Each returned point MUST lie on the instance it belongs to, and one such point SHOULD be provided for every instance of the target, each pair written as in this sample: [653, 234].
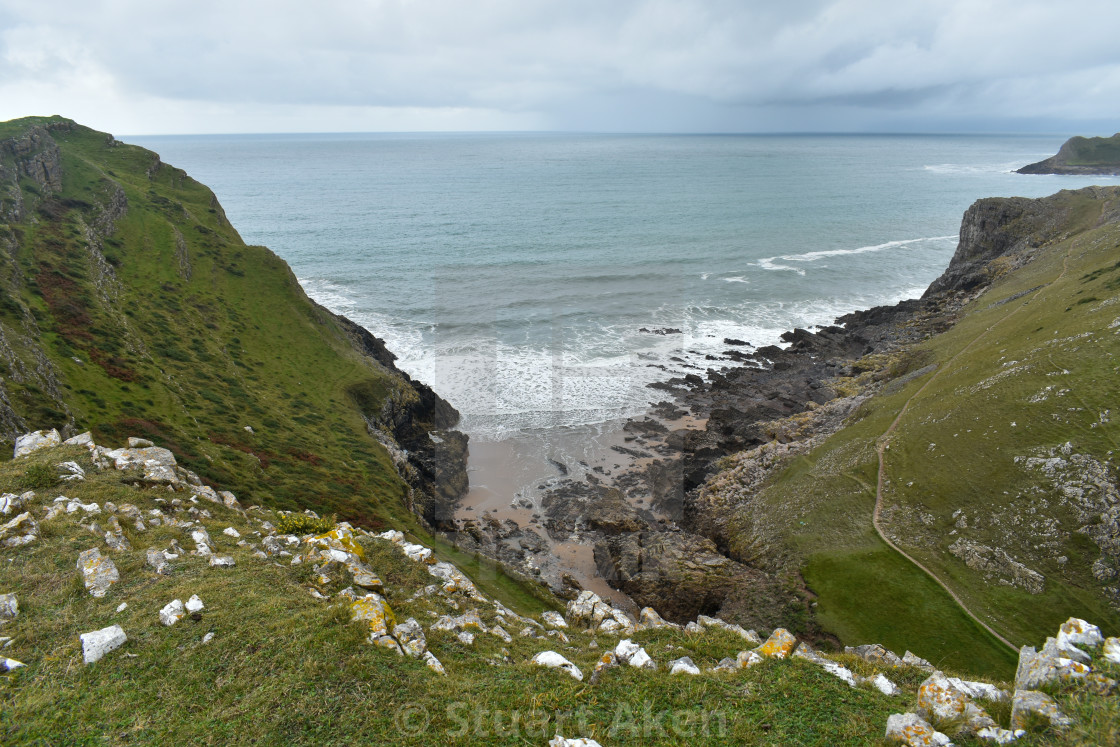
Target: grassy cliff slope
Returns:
[130, 306]
[1081, 155]
[998, 442]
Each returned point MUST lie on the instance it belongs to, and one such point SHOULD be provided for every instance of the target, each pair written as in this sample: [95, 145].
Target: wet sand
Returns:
[508, 479]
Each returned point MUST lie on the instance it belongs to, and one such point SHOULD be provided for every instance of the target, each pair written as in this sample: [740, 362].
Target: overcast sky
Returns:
[195, 66]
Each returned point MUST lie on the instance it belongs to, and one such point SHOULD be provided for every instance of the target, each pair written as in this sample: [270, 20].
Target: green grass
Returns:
[955, 449]
[285, 668]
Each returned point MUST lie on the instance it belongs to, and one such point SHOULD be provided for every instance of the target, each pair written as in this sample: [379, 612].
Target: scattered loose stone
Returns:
[19, 531]
[606, 661]
[554, 660]
[912, 730]
[942, 698]
[746, 659]
[31, 442]
[1037, 668]
[778, 645]
[559, 741]
[704, 621]
[375, 612]
[201, 541]
[1076, 631]
[411, 637]
[224, 561]
[914, 660]
[7, 665]
[208, 637]
[648, 618]
[157, 561]
[467, 639]
[1111, 650]
[98, 573]
[554, 619]
[683, 665]
[71, 471]
[231, 532]
[122, 606]
[875, 653]
[9, 607]
[806, 652]
[433, 663]
[100, 642]
[194, 604]
[172, 612]
[884, 685]
[1030, 706]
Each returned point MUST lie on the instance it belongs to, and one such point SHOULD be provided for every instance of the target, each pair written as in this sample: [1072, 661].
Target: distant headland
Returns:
[1081, 155]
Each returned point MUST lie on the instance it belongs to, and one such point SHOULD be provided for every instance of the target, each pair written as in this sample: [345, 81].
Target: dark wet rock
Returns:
[578, 506]
[681, 575]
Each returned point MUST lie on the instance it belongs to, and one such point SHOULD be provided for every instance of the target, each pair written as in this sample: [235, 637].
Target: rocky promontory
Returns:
[1080, 156]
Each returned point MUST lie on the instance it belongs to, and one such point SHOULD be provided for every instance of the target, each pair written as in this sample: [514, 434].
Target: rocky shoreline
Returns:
[657, 534]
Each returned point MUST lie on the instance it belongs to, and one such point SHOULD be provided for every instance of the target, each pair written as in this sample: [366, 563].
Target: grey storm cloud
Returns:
[705, 64]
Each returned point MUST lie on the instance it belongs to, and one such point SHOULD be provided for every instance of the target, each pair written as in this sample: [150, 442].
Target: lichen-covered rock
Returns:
[1111, 649]
[375, 612]
[1038, 668]
[29, 443]
[778, 646]
[589, 610]
[554, 619]
[683, 665]
[98, 573]
[172, 612]
[82, 439]
[914, 731]
[747, 659]
[606, 661]
[416, 552]
[1028, 707]
[115, 538]
[100, 642]
[21, 530]
[465, 638]
[942, 698]
[554, 660]
[433, 663]
[1076, 631]
[411, 637]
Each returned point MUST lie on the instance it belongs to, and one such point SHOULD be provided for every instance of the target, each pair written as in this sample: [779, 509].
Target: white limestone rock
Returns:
[1037, 668]
[649, 619]
[806, 652]
[434, 663]
[1076, 631]
[411, 637]
[194, 604]
[683, 665]
[231, 532]
[9, 607]
[21, 530]
[29, 443]
[877, 654]
[157, 561]
[642, 660]
[465, 638]
[914, 731]
[778, 646]
[9, 502]
[560, 741]
[100, 642]
[884, 685]
[1030, 706]
[913, 660]
[554, 660]
[943, 698]
[1111, 650]
[392, 536]
[98, 573]
[625, 649]
[7, 665]
[172, 612]
[71, 471]
[554, 619]
[222, 561]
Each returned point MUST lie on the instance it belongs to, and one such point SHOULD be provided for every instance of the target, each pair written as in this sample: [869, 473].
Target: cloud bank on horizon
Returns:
[139, 67]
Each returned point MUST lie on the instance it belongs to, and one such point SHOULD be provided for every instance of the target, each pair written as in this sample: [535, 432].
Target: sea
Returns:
[540, 281]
